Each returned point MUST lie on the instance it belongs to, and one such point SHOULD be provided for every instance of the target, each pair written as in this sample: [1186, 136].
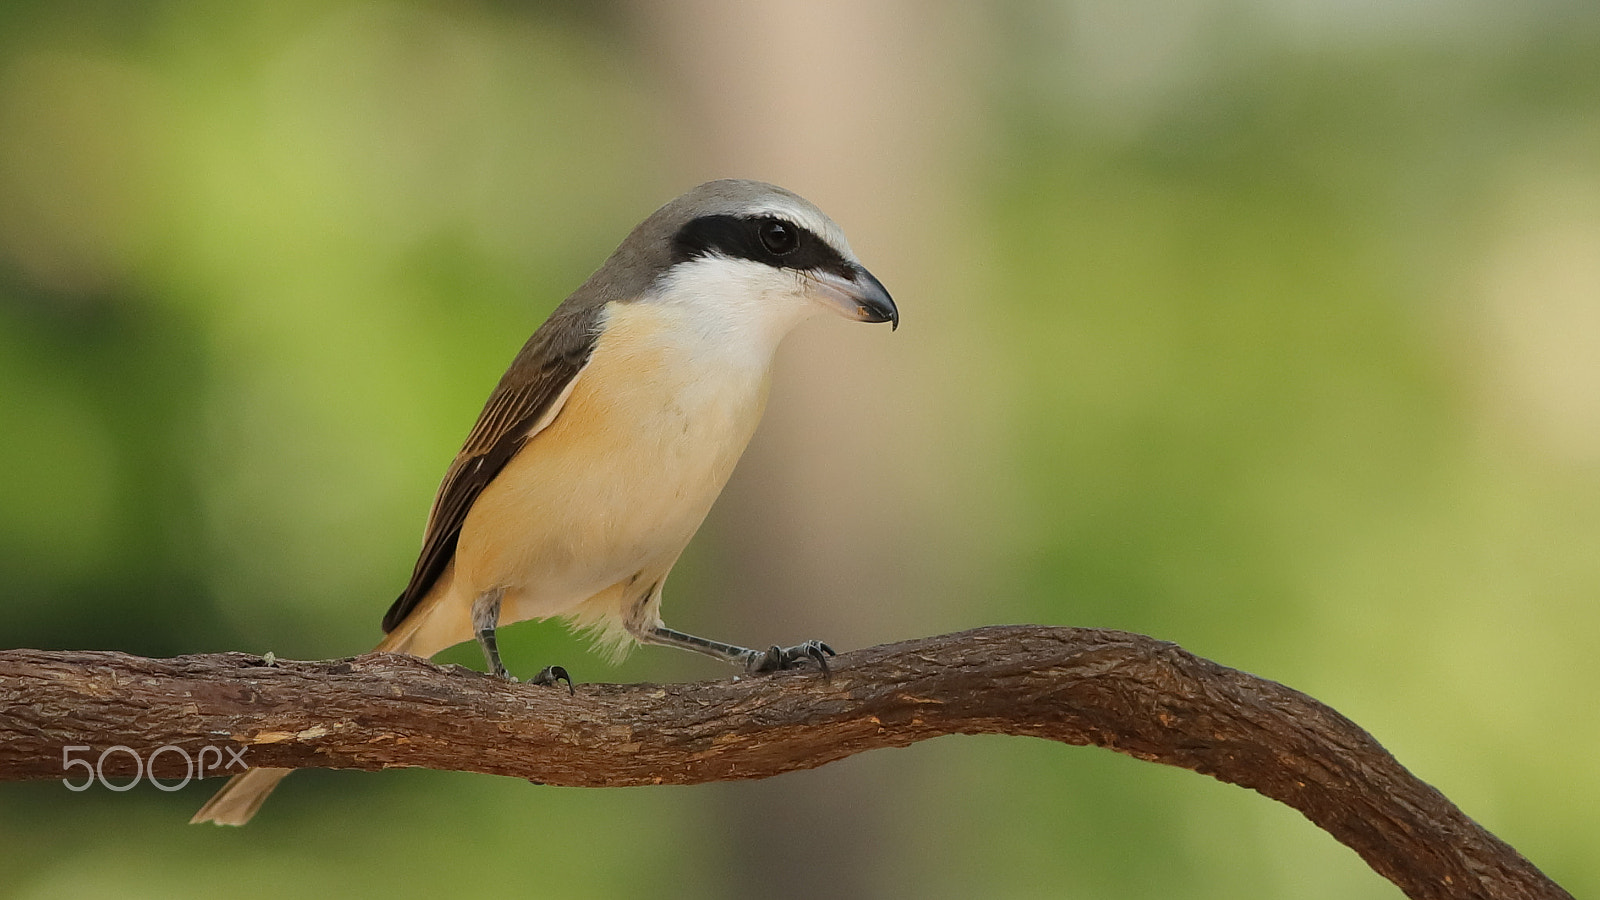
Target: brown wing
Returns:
[526, 399]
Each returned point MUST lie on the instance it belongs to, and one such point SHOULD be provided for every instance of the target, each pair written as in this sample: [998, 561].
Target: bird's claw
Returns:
[775, 658]
[553, 675]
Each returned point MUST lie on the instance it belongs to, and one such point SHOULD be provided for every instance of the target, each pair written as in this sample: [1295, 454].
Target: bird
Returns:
[601, 450]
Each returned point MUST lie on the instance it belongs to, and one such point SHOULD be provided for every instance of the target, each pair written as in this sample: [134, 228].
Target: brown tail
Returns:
[240, 797]
[236, 803]
[244, 793]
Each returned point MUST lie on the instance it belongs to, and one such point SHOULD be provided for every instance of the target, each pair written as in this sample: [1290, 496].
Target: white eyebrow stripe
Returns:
[809, 219]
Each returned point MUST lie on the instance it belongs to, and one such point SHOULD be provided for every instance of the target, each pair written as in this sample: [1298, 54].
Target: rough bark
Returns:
[1126, 692]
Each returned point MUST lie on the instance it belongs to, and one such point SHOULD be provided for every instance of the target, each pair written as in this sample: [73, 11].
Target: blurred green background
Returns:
[1269, 327]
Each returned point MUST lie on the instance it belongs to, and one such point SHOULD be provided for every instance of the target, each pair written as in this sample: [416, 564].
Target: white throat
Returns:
[733, 311]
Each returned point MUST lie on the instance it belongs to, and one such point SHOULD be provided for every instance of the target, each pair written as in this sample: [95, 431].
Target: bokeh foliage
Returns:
[1299, 329]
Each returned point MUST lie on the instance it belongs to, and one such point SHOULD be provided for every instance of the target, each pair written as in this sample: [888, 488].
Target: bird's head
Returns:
[749, 256]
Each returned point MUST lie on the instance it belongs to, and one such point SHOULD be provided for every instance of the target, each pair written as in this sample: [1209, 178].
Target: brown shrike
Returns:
[604, 445]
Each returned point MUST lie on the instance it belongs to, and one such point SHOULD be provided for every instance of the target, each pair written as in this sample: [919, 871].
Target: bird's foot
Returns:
[775, 658]
[553, 675]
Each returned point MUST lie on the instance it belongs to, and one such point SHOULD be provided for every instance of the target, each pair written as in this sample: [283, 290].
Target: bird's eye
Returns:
[780, 238]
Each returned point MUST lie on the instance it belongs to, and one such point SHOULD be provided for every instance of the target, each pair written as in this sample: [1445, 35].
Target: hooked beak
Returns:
[859, 296]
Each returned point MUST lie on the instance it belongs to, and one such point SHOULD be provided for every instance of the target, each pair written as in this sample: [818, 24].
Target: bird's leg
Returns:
[485, 618]
[774, 658]
[769, 660]
[553, 675]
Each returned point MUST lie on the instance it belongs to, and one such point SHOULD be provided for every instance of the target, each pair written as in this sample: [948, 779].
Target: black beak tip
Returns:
[873, 313]
[876, 304]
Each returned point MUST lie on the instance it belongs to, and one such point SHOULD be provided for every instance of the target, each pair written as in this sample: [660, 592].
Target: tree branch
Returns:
[1132, 694]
